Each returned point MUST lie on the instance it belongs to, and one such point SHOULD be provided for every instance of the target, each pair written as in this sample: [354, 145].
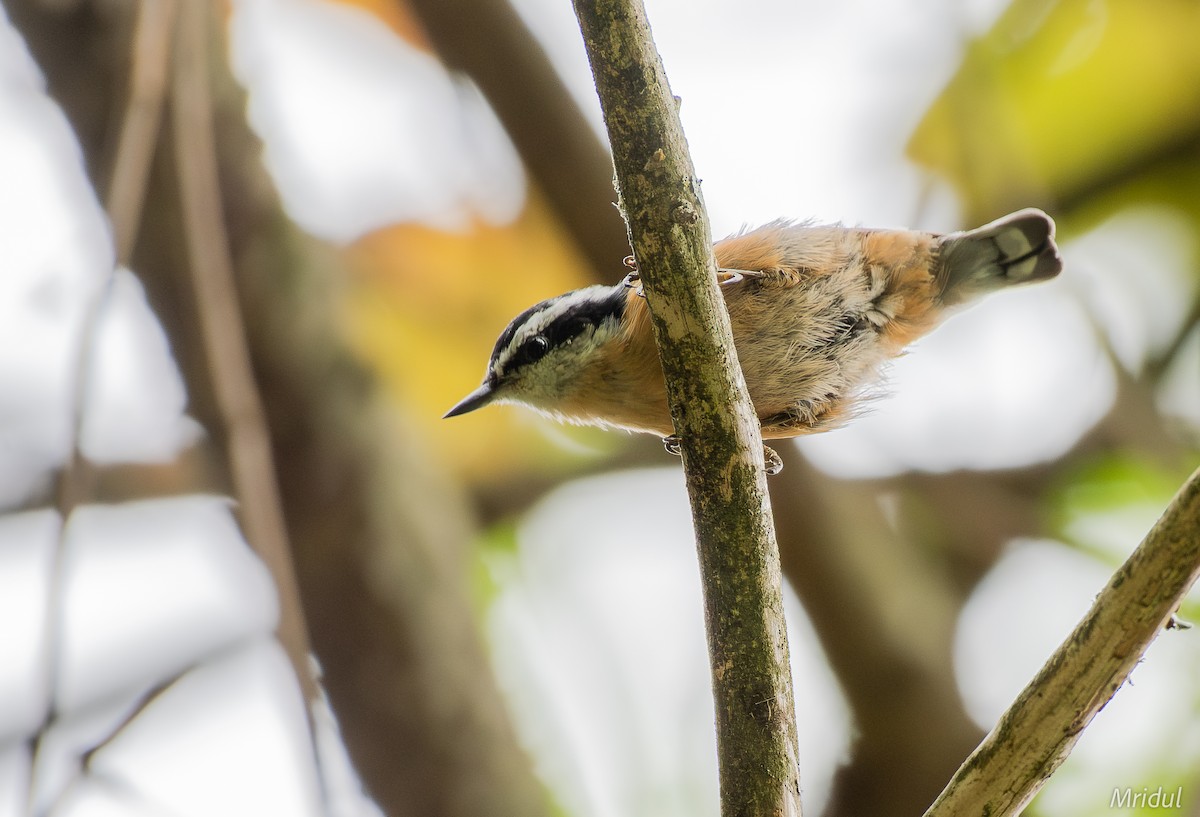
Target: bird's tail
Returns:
[1016, 249]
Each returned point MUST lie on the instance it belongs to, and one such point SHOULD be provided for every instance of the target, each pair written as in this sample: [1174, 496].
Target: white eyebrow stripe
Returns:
[537, 322]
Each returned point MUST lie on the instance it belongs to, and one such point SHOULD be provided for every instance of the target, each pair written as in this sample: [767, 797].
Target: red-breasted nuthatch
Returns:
[816, 311]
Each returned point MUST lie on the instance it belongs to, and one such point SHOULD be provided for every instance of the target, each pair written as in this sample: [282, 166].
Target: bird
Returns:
[816, 311]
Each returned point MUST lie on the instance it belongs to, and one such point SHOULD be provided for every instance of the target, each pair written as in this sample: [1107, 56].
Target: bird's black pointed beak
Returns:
[476, 399]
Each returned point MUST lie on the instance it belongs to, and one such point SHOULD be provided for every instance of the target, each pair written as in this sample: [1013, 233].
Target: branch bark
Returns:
[722, 449]
[1038, 731]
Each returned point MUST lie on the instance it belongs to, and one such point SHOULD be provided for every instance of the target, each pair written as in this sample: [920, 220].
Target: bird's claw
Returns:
[632, 279]
[772, 461]
[727, 277]
[771, 458]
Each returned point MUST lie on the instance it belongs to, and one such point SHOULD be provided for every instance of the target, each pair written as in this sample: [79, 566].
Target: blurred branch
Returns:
[722, 449]
[500, 500]
[885, 614]
[139, 129]
[137, 135]
[379, 532]
[248, 444]
[487, 41]
[146, 700]
[1158, 366]
[1137, 165]
[75, 486]
[1039, 730]
[1134, 421]
[974, 514]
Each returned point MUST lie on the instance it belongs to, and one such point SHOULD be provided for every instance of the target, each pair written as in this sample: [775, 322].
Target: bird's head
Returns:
[539, 357]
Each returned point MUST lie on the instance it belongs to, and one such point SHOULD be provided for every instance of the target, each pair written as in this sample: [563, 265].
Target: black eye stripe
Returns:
[583, 314]
[567, 328]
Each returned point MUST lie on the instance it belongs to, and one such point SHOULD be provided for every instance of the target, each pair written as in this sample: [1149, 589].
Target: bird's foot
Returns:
[634, 276]
[772, 461]
[632, 279]
[771, 458]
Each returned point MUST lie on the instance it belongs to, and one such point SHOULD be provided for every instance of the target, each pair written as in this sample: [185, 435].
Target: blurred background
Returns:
[253, 250]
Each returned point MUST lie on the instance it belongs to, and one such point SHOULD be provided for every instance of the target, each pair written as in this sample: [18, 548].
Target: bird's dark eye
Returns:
[533, 349]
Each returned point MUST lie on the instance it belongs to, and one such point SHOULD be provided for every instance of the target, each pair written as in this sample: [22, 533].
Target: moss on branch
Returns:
[722, 450]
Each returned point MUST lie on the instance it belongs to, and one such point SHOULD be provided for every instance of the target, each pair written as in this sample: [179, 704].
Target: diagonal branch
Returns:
[1038, 731]
[722, 449]
[150, 65]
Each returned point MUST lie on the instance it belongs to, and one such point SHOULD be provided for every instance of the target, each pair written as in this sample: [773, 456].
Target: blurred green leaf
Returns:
[1106, 506]
[493, 561]
[1059, 97]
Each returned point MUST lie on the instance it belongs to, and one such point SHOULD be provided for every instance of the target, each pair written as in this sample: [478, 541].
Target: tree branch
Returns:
[1038, 731]
[722, 450]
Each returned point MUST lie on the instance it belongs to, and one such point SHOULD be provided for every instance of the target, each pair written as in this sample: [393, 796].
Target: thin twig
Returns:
[153, 694]
[1038, 731]
[140, 124]
[1160, 362]
[223, 334]
[74, 486]
[128, 793]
